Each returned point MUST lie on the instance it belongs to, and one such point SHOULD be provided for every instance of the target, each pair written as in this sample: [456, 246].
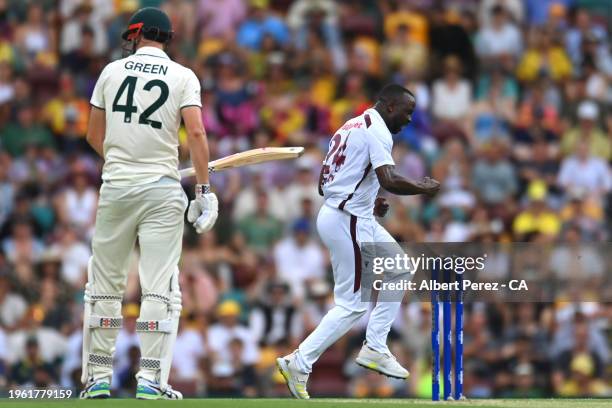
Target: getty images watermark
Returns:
[404, 264]
[492, 272]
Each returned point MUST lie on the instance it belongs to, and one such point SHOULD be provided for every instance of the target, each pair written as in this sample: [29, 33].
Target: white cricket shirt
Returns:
[143, 95]
[360, 146]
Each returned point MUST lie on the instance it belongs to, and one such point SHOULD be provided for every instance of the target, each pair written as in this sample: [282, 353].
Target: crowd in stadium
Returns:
[514, 118]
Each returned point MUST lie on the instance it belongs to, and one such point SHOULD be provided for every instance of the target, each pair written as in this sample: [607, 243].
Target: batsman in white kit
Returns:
[357, 164]
[137, 106]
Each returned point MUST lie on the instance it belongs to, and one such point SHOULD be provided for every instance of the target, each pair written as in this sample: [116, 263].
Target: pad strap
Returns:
[104, 322]
[164, 326]
[156, 297]
[150, 363]
[100, 360]
[103, 298]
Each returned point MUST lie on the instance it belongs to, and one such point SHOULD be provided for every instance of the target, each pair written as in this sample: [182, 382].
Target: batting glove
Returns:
[203, 211]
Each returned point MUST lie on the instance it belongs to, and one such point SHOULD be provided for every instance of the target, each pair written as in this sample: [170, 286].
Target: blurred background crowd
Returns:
[514, 117]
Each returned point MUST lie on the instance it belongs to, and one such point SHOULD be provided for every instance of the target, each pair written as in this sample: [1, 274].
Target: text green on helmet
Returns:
[152, 23]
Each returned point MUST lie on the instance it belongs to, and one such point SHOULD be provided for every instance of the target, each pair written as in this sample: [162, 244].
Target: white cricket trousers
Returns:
[153, 214]
[342, 233]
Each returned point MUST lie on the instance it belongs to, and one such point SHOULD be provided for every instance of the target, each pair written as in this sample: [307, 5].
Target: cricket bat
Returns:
[253, 156]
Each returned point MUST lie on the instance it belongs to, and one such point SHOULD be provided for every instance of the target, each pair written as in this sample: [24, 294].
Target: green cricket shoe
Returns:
[148, 390]
[96, 390]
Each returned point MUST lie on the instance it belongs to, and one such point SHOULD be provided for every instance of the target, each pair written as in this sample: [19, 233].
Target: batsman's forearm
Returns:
[198, 149]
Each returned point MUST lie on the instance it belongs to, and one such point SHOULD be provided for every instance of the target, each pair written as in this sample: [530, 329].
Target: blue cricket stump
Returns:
[448, 346]
[447, 323]
[459, 340]
[435, 341]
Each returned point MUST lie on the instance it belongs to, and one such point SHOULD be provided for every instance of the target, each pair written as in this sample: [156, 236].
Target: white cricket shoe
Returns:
[382, 363]
[296, 380]
[149, 390]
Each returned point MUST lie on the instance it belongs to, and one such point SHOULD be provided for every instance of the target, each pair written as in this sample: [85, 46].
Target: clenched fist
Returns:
[429, 186]
[381, 207]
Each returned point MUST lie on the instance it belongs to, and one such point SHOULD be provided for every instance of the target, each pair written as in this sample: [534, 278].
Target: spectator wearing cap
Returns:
[298, 259]
[275, 319]
[588, 132]
[537, 217]
[233, 351]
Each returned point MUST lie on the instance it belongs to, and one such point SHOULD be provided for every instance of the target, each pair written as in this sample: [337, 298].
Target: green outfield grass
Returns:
[314, 403]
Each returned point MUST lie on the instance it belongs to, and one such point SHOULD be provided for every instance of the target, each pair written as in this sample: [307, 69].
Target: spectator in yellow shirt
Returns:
[587, 131]
[544, 58]
[537, 217]
[67, 114]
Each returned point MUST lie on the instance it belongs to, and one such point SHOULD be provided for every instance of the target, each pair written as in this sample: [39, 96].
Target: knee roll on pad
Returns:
[150, 306]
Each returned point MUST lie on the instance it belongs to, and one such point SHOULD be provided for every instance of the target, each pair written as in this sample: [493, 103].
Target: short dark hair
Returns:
[392, 92]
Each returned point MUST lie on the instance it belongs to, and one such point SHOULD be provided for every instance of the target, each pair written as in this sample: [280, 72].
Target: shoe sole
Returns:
[100, 394]
[368, 366]
[284, 370]
[104, 396]
[148, 397]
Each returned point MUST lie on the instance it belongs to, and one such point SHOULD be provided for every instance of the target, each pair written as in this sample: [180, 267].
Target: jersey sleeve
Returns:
[192, 94]
[380, 154]
[97, 98]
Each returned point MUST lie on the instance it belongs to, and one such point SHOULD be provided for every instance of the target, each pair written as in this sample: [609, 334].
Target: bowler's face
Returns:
[402, 113]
